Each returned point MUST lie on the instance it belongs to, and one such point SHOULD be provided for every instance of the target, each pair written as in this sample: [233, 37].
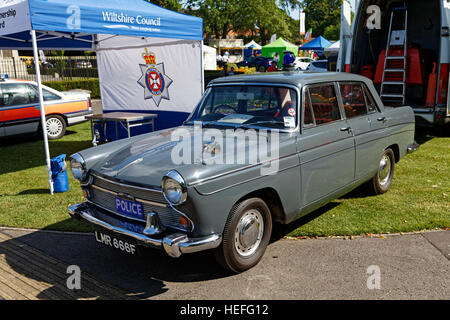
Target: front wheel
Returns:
[55, 127]
[246, 235]
[383, 178]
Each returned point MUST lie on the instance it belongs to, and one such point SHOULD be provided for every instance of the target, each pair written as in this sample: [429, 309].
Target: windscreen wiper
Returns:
[248, 125]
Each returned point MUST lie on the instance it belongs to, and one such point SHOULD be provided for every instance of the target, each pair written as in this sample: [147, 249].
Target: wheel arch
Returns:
[396, 150]
[271, 197]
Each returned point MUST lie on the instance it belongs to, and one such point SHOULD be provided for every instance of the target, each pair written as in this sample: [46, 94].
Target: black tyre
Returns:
[262, 69]
[246, 235]
[55, 127]
[383, 178]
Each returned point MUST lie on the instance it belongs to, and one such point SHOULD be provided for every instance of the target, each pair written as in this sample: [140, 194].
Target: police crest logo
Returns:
[153, 79]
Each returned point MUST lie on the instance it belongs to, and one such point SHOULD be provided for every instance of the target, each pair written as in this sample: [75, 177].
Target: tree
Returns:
[220, 16]
[322, 13]
[174, 5]
[261, 18]
[332, 32]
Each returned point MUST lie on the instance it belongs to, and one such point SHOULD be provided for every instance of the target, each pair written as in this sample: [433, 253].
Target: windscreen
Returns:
[265, 106]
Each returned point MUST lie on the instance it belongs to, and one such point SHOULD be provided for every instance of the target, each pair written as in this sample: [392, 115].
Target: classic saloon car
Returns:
[20, 112]
[332, 134]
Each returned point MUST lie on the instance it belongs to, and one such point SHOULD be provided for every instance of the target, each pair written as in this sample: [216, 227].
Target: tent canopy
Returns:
[64, 24]
[334, 47]
[319, 43]
[252, 44]
[85, 24]
[278, 46]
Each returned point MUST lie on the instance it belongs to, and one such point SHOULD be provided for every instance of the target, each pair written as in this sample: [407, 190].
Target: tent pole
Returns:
[202, 68]
[41, 103]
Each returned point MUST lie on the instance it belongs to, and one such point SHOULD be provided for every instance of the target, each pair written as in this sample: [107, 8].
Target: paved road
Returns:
[413, 266]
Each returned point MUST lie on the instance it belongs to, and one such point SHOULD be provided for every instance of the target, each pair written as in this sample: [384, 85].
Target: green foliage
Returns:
[332, 32]
[174, 5]
[88, 84]
[67, 72]
[257, 19]
[321, 14]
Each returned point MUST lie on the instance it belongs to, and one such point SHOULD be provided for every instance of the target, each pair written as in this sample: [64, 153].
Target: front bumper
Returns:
[173, 244]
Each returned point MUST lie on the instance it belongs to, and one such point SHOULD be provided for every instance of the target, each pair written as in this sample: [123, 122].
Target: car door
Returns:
[20, 108]
[354, 104]
[325, 145]
[2, 128]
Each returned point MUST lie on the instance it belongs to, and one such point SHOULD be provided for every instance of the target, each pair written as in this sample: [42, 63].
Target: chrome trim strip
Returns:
[239, 183]
[158, 204]
[174, 244]
[126, 185]
[239, 169]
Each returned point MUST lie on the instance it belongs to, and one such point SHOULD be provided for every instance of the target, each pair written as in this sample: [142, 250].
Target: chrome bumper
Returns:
[412, 147]
[173, 244]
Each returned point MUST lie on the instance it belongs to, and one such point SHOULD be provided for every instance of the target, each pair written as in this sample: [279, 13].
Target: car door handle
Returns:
[348, 129]
[382, 119]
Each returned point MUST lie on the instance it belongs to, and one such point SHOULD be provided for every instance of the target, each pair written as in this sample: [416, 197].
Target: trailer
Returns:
[404, 48]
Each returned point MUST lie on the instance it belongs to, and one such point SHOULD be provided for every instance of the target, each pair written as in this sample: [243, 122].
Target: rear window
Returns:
[353, 99]
[324, 104]
[322, 64]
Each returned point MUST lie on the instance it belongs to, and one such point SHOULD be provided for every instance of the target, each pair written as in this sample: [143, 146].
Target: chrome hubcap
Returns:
[249, 233]
[54, 127]
[384, 170]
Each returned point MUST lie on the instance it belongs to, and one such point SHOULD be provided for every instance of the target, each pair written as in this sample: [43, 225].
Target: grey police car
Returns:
[257, 149]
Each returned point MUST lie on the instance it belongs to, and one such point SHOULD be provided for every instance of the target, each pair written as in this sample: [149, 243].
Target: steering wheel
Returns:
[223, 106]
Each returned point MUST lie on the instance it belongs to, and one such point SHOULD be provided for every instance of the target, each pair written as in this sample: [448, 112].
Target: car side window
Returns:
[48, 96]
[353, 99]
[15, 94]
[370, 101]
[308, 119]
[324, 104]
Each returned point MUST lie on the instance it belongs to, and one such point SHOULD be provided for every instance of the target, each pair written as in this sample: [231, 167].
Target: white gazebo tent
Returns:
[130, 37]
[252, 44]
[335, 47]
[209, 58]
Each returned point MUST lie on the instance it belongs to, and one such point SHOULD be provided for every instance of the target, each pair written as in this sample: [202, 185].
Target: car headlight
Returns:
[174, 188]
[78, 167]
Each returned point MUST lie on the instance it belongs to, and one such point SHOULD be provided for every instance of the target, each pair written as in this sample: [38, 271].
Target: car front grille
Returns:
[103, 192]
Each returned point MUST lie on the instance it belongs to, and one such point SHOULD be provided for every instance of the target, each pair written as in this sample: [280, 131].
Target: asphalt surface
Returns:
[412, 266]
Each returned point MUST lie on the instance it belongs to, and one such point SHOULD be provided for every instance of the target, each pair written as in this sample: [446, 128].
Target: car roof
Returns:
[16, 81]
[297, 78]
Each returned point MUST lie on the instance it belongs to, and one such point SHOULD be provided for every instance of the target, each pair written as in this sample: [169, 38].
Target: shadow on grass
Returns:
[33, 191]
[25, 153]
[281, 230]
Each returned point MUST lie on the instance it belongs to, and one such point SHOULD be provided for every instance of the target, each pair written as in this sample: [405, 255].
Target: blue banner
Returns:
[130, 18]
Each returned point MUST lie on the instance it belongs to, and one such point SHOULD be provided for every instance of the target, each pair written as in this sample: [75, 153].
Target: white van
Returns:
[428, 39]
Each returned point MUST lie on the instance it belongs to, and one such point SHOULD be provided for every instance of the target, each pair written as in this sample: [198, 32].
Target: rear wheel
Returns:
[246, 235]
[262, 69]
[55, 127]
[383, 178]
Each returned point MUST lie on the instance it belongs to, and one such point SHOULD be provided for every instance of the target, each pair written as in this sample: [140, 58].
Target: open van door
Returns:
[448, 97]
[345, 37]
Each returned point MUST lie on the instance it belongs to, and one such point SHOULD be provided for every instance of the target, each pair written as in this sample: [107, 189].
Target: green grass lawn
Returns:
[419, 197]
